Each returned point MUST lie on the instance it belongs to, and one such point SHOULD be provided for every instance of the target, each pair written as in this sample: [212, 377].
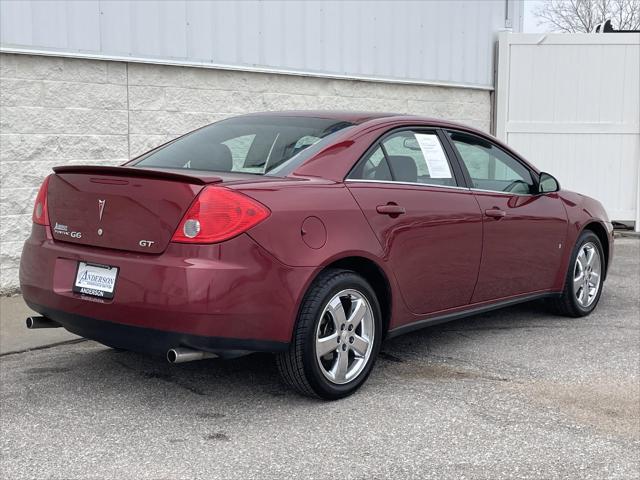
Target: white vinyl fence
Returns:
[570, 103]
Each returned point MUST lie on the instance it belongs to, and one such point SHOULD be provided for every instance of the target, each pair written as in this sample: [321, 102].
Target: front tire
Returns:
[337, 337]
[585, 277]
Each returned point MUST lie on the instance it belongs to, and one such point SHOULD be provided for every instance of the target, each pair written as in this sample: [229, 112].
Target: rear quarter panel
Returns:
[315, 222]
[311, 223]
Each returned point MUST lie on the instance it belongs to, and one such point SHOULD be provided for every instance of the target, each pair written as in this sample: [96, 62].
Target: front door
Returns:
[523, 231]
[430, 229]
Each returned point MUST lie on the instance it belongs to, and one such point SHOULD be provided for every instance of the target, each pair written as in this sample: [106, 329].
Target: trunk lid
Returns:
[131, 208]
[123, 208]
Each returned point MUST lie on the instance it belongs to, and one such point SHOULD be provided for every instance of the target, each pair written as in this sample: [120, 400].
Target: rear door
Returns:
[523, 231]
[428, 225]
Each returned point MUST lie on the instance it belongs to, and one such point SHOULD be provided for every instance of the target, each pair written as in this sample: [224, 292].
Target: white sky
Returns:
[529, 21]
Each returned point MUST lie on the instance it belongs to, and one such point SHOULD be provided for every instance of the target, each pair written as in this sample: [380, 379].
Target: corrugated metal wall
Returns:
[448, 41]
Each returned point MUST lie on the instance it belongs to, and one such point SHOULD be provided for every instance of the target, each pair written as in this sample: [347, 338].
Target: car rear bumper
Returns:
[230, 296]
[150, 340]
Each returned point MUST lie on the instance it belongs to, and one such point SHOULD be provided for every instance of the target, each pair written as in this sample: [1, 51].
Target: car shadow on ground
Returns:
[257, 374]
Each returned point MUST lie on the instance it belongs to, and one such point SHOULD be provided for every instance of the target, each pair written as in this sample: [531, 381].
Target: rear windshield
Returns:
[263, 145]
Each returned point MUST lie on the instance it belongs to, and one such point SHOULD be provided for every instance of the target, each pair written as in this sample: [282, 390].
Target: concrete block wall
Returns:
[56, 110]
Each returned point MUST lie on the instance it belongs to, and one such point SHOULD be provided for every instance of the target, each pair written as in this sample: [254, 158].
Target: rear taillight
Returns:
[218, 214]
[40, 211]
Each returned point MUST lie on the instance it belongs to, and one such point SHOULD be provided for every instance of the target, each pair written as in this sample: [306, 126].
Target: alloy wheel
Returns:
[345, 336]
[587, 275]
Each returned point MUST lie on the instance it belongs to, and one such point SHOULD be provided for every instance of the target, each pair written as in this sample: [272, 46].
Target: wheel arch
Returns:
[371, 271]
[376, 277]
[601, 232]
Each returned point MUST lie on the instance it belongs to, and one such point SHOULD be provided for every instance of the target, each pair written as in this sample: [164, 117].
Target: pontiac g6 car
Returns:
[312, 235]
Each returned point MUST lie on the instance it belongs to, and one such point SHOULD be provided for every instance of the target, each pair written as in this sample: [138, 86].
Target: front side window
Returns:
[264, 145]
[490, 168]
[407, 156]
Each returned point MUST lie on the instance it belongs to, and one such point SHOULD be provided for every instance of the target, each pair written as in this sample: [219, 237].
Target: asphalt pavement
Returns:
[517, 393]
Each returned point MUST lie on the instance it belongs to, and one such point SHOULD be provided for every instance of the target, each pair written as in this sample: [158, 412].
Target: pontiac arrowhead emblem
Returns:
[101, 204]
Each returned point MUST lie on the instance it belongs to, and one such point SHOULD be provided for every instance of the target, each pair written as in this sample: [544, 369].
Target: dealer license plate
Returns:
[96, 280]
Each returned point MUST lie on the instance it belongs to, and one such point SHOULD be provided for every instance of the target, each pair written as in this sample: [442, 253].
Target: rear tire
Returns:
[336, 339]
[585, 277]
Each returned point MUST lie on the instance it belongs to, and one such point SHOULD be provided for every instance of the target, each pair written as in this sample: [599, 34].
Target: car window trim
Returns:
[458, 177]
[415, 184]
[497, 192]
[467, 176]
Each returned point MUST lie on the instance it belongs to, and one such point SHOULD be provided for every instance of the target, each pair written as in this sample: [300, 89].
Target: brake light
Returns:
[40, 211]
[218, 214]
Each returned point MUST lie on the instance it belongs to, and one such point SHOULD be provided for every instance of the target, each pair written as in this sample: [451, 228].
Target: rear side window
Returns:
[265, 145]
[375, 167]
[407, 156]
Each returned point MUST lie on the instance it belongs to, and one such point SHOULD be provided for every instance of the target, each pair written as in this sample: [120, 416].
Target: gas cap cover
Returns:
[313, 232]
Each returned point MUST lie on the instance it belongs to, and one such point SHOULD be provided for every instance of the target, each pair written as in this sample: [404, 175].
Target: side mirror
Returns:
[548, 183]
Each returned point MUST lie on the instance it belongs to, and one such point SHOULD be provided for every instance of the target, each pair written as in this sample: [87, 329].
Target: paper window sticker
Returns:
[434, 155]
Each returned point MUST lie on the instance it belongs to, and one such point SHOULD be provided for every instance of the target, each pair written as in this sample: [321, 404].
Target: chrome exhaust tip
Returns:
[41, 322]
[182, 355]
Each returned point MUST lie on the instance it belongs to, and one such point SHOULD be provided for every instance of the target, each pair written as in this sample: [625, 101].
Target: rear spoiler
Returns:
[161, 174]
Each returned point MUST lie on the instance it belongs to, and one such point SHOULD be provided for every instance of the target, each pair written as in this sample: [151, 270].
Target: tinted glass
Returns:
[418, 157]
[407, 156]
[261, 145]
[490, 168]
[374, 167]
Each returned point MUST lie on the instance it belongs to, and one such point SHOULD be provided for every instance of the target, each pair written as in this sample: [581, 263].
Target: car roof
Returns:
[355, 117]
[359, 117]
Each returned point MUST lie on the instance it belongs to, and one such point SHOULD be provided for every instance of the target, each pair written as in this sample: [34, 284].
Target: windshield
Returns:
[248, 144]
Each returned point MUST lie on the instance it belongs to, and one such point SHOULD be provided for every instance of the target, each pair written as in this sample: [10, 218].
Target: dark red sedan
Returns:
[313, 235]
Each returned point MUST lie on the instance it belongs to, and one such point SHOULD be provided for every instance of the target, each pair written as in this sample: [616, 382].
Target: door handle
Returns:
[495, 213]
[390, 209]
